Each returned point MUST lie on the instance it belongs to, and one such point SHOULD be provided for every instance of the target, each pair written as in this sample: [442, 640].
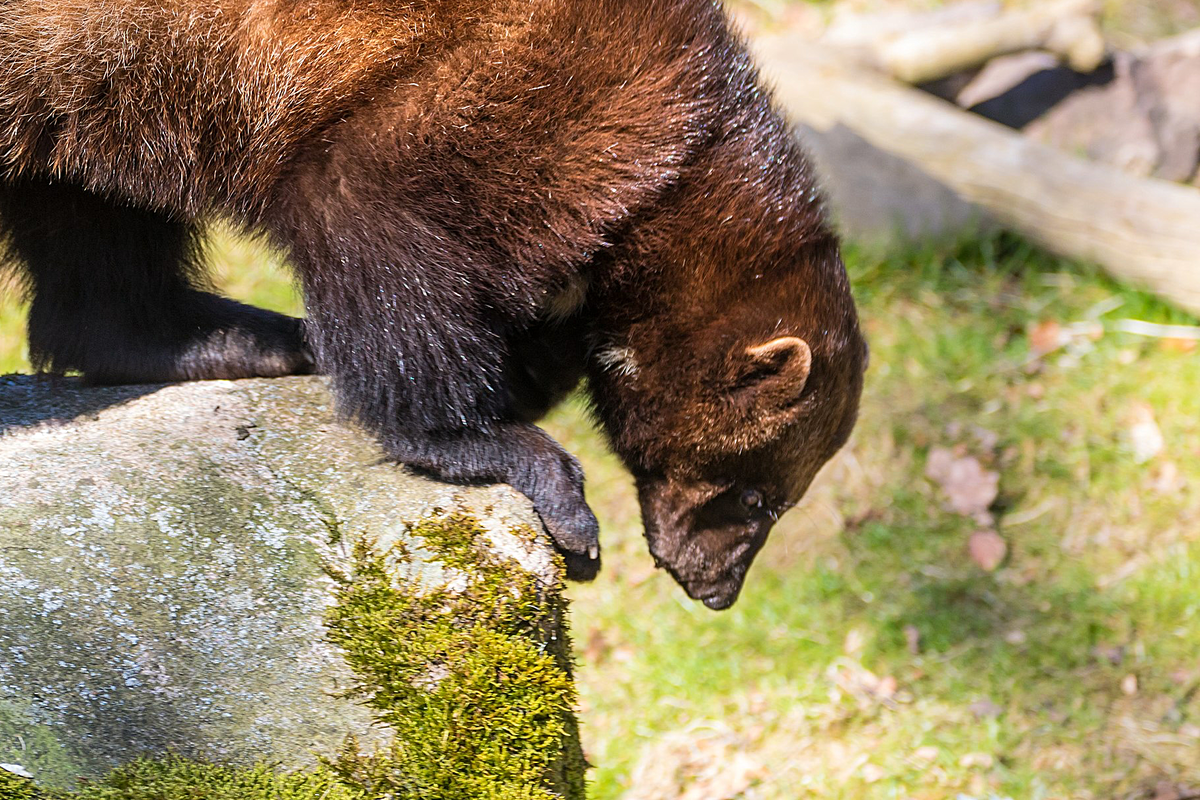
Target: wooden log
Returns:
[851, 28]
[1141, 230]
[926, 52]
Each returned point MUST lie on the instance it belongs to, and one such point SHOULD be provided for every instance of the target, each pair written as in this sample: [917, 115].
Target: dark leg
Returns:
[542, 365]
[545, 363]
[420, 356]
[433, 383]
[113, 295]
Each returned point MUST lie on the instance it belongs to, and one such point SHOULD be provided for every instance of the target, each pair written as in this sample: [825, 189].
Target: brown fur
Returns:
[483, 199]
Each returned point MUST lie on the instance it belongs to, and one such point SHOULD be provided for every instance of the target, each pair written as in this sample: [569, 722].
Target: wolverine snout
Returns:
[708, 560]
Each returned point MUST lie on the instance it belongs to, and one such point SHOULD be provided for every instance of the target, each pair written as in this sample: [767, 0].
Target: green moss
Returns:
[176, 778]
[13, 787]
[477, 692]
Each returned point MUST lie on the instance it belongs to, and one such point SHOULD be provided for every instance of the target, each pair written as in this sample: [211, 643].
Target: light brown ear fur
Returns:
[783, 364]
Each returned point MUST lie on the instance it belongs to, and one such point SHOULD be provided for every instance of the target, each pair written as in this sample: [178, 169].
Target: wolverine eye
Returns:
[751, 499]
[735, 507]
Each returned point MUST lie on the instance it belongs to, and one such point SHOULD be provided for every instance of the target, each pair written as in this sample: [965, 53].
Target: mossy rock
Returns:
[222, 574]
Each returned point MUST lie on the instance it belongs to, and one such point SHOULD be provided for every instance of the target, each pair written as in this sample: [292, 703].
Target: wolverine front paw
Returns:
[558, 499]
[527, 459]
[577, 537]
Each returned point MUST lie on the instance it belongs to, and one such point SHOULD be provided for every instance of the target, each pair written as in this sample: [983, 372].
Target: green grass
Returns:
[13, 357]
[1070, 672]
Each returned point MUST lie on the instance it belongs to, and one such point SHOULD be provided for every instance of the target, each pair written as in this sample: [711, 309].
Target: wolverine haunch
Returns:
[484, 200]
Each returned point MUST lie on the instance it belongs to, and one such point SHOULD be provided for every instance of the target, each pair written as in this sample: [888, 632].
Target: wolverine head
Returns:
[731, 453]
[735, 371]
[775, 416]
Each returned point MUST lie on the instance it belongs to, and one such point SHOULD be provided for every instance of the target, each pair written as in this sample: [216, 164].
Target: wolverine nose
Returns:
[720, 602]
[717, 596]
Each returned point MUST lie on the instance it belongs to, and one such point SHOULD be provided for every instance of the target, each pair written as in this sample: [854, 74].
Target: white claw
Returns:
[593, 552]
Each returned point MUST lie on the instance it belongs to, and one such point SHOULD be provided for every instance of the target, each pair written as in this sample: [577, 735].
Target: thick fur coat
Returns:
[484, 200]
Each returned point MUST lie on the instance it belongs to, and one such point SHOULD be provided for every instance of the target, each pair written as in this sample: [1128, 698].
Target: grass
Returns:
[869, 656]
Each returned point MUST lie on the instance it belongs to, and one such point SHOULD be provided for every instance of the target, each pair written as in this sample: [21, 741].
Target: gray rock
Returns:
[1140, 112]
[879, 200]
[163, 569]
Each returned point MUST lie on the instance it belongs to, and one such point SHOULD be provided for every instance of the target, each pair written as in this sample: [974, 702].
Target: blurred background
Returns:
[994, 590]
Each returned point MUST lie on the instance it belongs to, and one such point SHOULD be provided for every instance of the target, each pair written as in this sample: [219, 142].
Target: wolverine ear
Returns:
[775, 372]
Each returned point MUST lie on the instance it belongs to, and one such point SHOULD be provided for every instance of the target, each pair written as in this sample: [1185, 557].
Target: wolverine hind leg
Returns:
[113, 295]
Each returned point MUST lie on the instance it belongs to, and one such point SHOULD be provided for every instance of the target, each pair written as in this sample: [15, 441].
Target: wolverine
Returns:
[485, 202]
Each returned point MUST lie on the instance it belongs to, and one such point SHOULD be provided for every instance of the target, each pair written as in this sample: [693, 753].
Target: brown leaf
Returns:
[987, 549]
[708, 761]
[985, 709]
[926, 753]
[854, 642]
[1112, 653]
[597, 647]
[912, 637]
[1165, 790]
[871, 773]
[969, 488]
[1168, 481]
[1179, 345]
[886, 688]
[1047, 336]
[977, 761]
[986, 439]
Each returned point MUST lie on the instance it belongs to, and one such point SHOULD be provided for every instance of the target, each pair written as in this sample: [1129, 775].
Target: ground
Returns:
[871, 655]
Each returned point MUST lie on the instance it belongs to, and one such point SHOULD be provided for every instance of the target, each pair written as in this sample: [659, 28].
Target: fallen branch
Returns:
[850, 29]
[1157, 331]
[1141, 230]
[930, 51]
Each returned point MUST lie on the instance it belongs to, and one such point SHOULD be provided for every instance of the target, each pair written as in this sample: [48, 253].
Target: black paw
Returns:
[261, 343]
[576, 534]
[231, 340]
[581, 568]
